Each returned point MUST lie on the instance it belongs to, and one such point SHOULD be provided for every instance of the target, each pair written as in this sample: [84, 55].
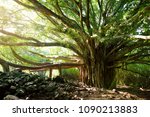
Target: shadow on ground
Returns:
[139, 92]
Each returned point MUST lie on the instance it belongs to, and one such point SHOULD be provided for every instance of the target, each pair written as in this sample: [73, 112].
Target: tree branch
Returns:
[73, 59]
[140, 37]
[128, 48]
[133, 71]
[100, 2]
[64, 65]
[18, 36]
[59, 9]
[25, 5]
[65, 45]
[88, 16]
[25, 60]
[48, 13]
[81, 14]
[139, 62]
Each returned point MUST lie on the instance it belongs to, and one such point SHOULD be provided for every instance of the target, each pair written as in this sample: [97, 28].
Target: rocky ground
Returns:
[20, 85]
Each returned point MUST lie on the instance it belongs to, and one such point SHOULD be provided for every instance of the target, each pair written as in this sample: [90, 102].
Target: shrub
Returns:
[136, 76]
[71, 74]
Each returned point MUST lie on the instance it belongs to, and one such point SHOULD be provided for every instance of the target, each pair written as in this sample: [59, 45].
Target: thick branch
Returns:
[139, 61]
[73, 59]
[48, 13]
[54, 66]
[25, 5]
[25, 60]
[120, 55]
[65, 45]
[133, 71]
[18, 36]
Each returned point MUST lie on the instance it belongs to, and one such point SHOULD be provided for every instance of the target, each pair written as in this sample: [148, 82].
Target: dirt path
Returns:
[124, 93]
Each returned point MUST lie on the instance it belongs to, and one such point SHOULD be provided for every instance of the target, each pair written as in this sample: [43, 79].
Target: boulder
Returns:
[11, 97]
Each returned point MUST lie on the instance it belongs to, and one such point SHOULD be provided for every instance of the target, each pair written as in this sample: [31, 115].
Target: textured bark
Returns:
[98, 72]
[5, 67]
[100, 76]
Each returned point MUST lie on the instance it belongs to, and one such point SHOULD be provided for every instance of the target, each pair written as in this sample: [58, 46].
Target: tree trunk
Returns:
[99, 75]
[5, 67]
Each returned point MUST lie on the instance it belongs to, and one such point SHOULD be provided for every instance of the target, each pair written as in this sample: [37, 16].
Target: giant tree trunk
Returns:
[100, 74]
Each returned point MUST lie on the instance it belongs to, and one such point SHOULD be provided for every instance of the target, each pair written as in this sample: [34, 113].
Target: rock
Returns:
[2, 74]
[15, 85]
[51, 87]
[3, 89]
[12, 89]
[59, 79]
[29, 83]
[11, 97]
[20, 92]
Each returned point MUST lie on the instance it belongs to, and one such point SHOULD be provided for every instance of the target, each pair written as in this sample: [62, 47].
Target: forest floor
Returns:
[92, 93]
[123, 93]
[20, 85]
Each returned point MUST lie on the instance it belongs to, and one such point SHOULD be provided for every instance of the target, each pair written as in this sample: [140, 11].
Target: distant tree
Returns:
[105, 34]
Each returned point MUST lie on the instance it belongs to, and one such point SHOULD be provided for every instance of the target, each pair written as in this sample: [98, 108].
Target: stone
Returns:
[13, 88]
[59, 79]
[11, 97]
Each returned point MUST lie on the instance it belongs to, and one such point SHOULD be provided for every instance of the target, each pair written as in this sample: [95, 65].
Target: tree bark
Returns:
[99, 73]
[5, 67]
[100, 76]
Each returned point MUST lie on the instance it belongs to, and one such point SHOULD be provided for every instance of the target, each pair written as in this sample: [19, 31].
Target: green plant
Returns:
[136, 76]
[71, 74]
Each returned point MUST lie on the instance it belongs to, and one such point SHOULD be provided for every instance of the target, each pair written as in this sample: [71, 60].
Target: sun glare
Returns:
[7, 3]
[10, 6]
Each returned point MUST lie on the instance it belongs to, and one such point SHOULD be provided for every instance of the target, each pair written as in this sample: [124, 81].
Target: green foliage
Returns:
[143, 70]
[71, 74]
[137, 75]
[137, 81]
